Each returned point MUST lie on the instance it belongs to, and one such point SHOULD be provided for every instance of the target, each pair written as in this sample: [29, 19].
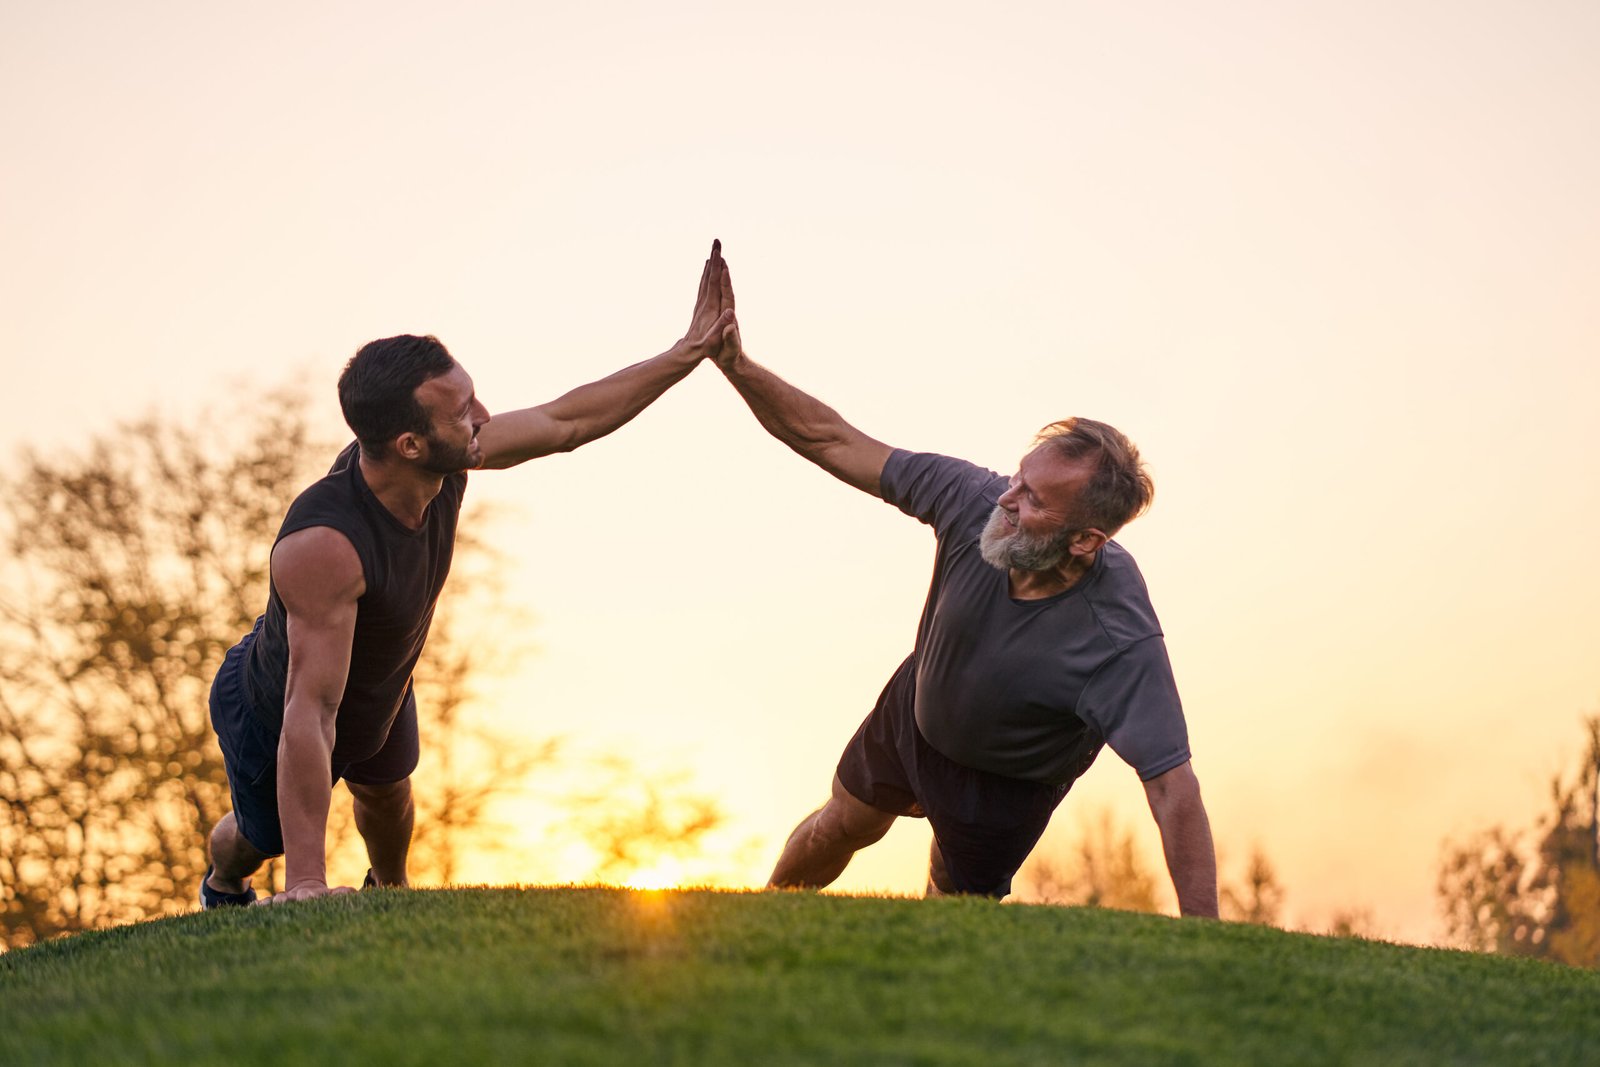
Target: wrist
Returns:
[686, 352]
[292, 883]
[308, 870]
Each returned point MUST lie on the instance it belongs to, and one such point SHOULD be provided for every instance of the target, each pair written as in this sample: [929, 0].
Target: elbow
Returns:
[308, 725]
[1179, 787]
[569, 436]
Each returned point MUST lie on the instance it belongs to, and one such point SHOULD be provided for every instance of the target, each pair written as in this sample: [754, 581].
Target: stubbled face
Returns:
[1029, 528]
[456, 416]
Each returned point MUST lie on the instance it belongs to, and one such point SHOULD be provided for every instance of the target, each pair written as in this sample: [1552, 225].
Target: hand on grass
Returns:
[305, 891]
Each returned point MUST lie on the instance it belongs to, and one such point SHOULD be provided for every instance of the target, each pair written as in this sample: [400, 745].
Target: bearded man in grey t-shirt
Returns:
[1037, 646]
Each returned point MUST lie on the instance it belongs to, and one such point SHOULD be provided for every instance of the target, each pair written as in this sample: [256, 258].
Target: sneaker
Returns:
[216, 898]
[369, 882]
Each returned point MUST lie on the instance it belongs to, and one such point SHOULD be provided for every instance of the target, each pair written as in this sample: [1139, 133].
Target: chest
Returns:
[978, 638]
[406, 577]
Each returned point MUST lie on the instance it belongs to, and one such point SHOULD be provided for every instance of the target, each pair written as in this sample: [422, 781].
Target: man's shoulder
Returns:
[318, 562]
[928, 484]
[1120, 599]
[907, 464]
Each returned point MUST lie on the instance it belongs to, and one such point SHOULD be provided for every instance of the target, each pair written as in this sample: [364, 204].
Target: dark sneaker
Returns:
[369, 882]
[216, 898]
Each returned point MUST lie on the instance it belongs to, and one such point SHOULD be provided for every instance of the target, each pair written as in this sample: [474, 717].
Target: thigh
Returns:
[985, 825]
[873, 770]
[249, 756]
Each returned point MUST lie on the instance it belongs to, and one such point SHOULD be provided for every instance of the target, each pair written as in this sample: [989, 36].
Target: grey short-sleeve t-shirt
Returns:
[1031, 688]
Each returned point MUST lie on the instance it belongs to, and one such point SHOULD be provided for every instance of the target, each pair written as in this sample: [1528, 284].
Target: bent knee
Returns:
[389, 794]
[856, 825]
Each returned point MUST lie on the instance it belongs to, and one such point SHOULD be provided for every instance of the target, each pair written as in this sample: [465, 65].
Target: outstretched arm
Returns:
[1185, 839]
[594, 410]
[800, 420]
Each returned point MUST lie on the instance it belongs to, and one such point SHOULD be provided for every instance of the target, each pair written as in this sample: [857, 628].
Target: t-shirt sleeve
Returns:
[1133, 701]
[937, 489]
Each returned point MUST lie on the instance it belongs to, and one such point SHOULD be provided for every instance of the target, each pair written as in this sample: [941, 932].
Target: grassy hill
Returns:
[596, 976]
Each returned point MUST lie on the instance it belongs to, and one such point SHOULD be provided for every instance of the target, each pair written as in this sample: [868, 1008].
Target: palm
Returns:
[713, 318]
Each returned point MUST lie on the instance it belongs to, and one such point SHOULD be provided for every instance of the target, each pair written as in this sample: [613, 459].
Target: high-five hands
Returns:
[732, 347]
[712, 316]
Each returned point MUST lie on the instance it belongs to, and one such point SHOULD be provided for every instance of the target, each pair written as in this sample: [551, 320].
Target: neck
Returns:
[1036, 585]
[404, 491]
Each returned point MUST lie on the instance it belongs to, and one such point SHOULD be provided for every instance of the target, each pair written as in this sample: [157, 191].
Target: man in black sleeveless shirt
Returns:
[1037, 647]
[321, 689]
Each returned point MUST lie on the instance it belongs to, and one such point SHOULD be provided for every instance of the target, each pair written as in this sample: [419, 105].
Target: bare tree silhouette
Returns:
[1259, 898]
[1499, 893]
[129, 570]
[1102, 869]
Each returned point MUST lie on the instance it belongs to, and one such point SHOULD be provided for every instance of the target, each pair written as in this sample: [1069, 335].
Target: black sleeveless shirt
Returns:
[404, 569]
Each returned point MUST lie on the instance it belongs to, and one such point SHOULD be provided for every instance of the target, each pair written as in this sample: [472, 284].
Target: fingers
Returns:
[306, 892]
[726, 281]
[731, 347]
[714, 299]
[710, 288]
[705, 285]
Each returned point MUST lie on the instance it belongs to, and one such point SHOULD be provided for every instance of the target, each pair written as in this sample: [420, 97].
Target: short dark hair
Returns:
[1119, 489]
[378, 388]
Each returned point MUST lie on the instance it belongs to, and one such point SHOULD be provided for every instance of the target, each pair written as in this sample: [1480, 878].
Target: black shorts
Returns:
[250, 753]
[985, 824]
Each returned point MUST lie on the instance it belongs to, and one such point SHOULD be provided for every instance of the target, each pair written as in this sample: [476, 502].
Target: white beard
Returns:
[1006, 547]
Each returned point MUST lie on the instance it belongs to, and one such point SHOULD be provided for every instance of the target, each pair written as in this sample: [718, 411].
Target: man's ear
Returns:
[1088, 542]
[409, 445]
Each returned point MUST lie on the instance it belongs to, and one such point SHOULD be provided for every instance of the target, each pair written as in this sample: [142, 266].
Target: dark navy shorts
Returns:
[250, 752]
[985, 824]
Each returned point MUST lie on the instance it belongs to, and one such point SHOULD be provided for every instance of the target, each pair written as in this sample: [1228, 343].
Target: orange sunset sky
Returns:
[1333, 266]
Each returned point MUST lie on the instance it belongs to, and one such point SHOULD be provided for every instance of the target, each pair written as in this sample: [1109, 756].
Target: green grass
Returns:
[594, 976]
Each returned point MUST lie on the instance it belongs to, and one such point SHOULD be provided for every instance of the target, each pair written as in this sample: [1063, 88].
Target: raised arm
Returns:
[799, 420]
[1185, 839]
[594, 410]
[318, 575]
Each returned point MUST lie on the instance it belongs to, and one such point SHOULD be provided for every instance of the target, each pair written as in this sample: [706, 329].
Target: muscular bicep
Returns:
[318, 576]
[513, 437]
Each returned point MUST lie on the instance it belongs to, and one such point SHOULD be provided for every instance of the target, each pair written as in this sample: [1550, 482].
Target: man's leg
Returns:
[384, 816]
[939, 884]
[821, 846]
[233, 859]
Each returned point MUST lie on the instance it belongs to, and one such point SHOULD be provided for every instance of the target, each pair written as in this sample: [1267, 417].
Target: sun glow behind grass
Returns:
[603, 976]
[668, 874]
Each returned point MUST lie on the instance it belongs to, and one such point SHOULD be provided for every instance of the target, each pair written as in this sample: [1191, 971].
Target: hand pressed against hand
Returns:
[304, 892]
[731, 347]
[710, 317]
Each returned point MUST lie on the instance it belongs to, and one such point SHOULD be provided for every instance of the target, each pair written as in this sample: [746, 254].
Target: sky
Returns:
[1331, 265]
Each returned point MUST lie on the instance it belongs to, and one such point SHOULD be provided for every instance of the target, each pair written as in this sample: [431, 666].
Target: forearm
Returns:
[1180, 815]
[586, 413]
[808, 426]
[1192, 861]
[305, 791]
